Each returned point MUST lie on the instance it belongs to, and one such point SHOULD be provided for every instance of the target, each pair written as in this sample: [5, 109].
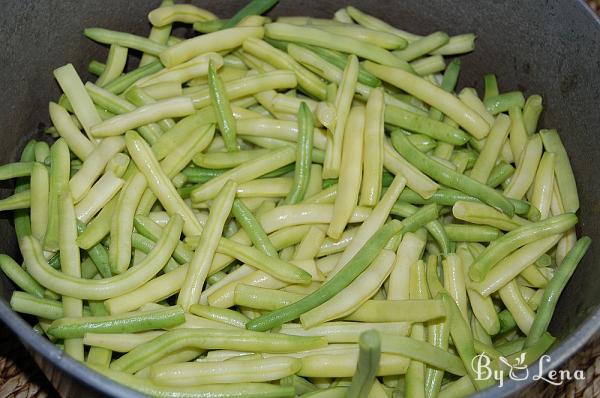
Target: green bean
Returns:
[454, 282]
[340, 60]
[350, 172]
[543, 185]
[422, 46]
[448, 197]
[562, 170]
[281, 270]
[517, 238]
[346, 332]
[371, 22]
[121, 83]
[123, 323]
[78, 143]
[375, 221]
[151, 230]
[84, 109]
[307, 80]
[98, 254]
[20, 200]
[70, 265]
[59, 180]
[235, 339]
[531, 112]
[518, 135]
[515, 303]
[210, 42]
[491, 86]
[20, 277]
[503, 102]
[463, 340]
[103, 288]
[139, 96]
[245, 172]
[471, 233]
[99, 194]
[356, 293]
[425, 125]
[418, 290]
[97, 355]
[253, 228]
[343, 364]
[470, 97]
[478, 213]
[201, 175]
[460, 388]
[287, 104]
[205, 251]
[343, 103]
[93, 167]
[146, 386]
[26, 303]
[97, 228]
[249, 85]
[144, 245]
[408, 252]
[554, 289]
[493, 145]
[176, 161]
[22, 219]
[155, 290]
[115, 64]
[438, 333]
[374, 135]
[507, 322]
[449, 177]
[258, 370]
[222, 109]
[424, 352]
[17, 169]
[342, 279]
[186, 13]
[368, 363]
[96, 67]
[159, 35]
[283, 130]
[317, 37]
[428, 65]
[303, 155]
[370, 311]
[499, 174]
[381, 39]
[209, 26]
[255, 7]
[163, 90]
[174, 107]
[458, 44]
[127, 40]
[223, 315]
[512, 265]
[207, 162]
[433, 95]
[415, 219]
[483, 307]
[301, 385]
[159, 182]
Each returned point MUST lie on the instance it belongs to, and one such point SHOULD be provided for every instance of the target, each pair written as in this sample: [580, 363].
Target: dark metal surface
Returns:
[551, 48]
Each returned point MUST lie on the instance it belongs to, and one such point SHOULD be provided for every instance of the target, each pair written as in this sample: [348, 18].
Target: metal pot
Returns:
[551, 48]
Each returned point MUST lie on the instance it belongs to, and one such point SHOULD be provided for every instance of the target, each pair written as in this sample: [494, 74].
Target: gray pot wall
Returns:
[550, 48]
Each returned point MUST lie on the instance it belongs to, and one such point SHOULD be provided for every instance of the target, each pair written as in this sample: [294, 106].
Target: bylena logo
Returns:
[516, 368]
